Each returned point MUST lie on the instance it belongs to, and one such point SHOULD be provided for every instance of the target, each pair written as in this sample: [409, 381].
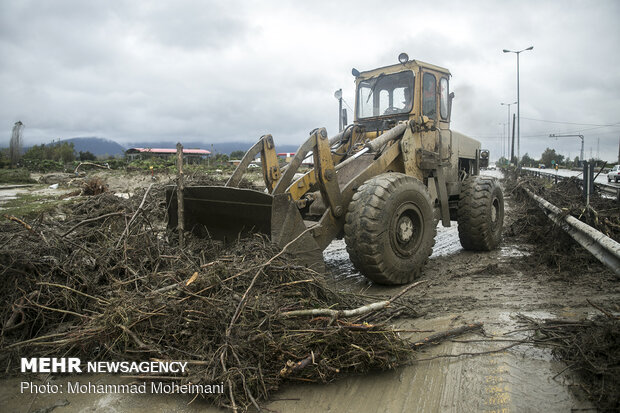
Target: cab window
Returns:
[443, 98]
[385, 95]
[429, 95]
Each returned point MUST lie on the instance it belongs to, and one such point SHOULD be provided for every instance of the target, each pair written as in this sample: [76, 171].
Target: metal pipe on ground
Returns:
[605, 249]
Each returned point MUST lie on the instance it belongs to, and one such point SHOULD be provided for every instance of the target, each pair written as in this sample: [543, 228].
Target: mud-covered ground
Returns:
[460, 287]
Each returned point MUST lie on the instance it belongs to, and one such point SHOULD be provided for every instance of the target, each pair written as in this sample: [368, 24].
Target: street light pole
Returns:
[508, 104]
[518, 103]
[338, 95]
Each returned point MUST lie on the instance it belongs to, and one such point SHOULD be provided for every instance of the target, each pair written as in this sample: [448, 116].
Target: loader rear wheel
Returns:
[390, 228]
[480, 213]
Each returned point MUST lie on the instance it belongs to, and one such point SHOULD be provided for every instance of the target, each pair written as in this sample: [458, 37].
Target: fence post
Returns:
[180, 187]
[588, 175]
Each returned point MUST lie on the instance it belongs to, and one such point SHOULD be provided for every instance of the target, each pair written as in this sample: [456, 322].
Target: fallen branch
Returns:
[86, 221]
[317, 312]
[132, 335]
[19, 221]
[126, 231]
[379, 305]
[438, 337]
[602, 310]
[293, 367]
[481, 353]
[100, 299]
[106, 166]
[396, 297]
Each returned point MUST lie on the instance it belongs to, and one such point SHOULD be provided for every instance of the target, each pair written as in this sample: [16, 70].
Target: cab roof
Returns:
[411, 65]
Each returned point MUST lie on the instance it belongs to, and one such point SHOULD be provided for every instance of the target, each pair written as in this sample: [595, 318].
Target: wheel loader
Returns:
[383, 183]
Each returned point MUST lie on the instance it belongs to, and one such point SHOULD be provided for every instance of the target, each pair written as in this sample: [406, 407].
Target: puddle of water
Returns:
[337, 261]
[11, 193]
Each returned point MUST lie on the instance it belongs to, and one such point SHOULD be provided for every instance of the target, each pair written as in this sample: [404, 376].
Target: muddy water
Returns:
[517, 379]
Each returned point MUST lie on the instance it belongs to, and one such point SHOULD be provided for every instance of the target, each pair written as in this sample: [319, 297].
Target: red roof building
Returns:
[189, 155]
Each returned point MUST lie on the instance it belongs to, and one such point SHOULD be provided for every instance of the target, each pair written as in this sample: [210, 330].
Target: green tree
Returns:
[526, 160]
[5, 159]
[237, 154]
[87, 156]
[63, 152]
[221, 157]
[596, 162]
[550, 155]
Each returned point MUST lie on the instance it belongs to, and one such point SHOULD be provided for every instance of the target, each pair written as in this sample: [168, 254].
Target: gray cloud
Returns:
[217, 71]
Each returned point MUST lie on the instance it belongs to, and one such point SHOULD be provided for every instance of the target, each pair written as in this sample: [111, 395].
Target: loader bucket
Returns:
[228, 213]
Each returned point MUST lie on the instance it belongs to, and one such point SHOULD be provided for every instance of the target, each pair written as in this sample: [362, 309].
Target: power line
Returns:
[546, 134]
[571, 123]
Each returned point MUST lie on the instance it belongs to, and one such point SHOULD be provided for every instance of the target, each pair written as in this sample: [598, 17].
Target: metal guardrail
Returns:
[605, 249]
[608, 189]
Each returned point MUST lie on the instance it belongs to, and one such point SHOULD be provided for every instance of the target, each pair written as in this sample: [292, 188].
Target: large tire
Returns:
[480, 213]
[390, 228]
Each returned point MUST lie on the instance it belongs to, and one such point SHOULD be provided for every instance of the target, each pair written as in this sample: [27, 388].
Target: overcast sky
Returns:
[214, 71]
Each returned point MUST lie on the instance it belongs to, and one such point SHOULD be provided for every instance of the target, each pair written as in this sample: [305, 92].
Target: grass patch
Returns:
[29, 205]
[15, 176]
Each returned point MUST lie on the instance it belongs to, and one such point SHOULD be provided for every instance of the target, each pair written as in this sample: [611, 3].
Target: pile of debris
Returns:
[106, 280]
[591, 348]
[554, 248]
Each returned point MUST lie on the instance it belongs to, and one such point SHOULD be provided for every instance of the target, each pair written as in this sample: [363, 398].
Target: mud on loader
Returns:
[383, 183]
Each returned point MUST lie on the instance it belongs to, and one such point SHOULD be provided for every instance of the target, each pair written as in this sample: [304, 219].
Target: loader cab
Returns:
[395, 93]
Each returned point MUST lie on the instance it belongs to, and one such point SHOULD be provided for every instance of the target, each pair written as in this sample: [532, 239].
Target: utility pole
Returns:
[503, 137]
[508, 104]
[512, 149]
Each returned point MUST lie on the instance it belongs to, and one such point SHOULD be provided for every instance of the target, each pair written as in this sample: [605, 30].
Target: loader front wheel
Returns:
[390, 228]
[480, 213]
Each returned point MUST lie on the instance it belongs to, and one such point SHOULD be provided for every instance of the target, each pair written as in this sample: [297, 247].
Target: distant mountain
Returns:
[219, 147]
[97, 146]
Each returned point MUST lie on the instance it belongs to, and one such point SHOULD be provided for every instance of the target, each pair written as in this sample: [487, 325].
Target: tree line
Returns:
[549, 158]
